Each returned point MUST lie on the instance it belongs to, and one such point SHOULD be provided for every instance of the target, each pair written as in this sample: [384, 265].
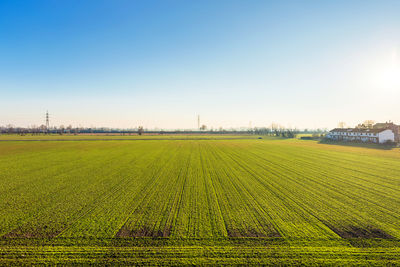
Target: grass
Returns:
[198, 201]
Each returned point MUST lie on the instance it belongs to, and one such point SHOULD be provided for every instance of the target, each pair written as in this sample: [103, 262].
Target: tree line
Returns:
[273, 130]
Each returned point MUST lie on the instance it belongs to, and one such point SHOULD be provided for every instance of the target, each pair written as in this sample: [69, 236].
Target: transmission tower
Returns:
[47, 121]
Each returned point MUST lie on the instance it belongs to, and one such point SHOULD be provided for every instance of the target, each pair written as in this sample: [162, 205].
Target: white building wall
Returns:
[386, 135]
[383, 136]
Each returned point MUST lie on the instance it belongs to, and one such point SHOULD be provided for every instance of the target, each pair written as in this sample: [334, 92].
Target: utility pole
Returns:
[47, 122]
[198, 122]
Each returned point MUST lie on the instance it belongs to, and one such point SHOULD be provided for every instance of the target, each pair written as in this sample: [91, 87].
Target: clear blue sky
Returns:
[160, 63]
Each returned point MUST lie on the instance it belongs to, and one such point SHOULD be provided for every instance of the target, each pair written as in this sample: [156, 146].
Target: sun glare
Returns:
[390, 78]
[387, 75]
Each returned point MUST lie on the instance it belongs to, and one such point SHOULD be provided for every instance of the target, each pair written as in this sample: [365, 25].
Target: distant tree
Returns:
[43, 128]
[292, 133]
[69, 128]
[203, 127]
[369, 124]
[140, 130]
[275, 129]
[62, 129]
[10, 128]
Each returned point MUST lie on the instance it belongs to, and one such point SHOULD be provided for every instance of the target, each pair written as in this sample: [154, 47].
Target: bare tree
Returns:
[369, 124]
[140, 130]
[10, 128]
[42, 128]
[69, 128]
[62, 129]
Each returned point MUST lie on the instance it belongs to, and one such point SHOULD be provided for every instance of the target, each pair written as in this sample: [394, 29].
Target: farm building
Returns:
[390, 125]
[362, 135]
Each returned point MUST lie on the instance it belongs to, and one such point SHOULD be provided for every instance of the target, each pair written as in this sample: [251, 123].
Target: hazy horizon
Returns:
[121, 64]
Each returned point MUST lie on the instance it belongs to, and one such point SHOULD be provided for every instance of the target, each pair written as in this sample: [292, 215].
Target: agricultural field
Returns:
[216, 201]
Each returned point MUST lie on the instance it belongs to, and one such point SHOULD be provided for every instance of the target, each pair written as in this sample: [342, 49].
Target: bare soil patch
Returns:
[358, 232]
[42, 232]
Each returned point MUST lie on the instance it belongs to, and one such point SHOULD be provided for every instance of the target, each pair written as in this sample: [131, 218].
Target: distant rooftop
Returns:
[358, 130]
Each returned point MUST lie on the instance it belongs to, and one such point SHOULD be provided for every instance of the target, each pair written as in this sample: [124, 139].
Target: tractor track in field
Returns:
[222, 190]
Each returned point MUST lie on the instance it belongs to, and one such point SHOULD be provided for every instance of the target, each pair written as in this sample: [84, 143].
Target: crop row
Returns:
[197, 189]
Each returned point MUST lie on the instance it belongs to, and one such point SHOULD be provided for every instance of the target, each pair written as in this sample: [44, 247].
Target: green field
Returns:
[199, 201]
